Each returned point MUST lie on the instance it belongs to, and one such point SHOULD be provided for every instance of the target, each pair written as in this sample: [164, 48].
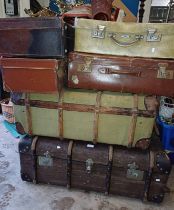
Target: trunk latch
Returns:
[45, 160]
[89, 164]
[134, 173]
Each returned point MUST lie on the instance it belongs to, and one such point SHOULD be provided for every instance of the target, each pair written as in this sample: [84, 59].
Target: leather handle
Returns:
[133, 40]
[122, 72]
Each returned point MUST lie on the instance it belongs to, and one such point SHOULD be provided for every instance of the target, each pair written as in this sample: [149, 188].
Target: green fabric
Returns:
[112, 129]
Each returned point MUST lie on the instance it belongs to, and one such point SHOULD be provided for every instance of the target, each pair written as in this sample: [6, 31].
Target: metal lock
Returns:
[99, 32]
[152, 36]
[163, 73]
[89, 164]
[75, 79]
[45, 160]
[134, 173]
[86, 67]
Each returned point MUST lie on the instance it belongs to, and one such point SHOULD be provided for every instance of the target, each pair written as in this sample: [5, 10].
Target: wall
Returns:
[160, 2]
[44, 3]
[147, 11]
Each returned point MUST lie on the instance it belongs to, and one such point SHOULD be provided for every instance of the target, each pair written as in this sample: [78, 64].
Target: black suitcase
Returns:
[101, 168]
[44, 37]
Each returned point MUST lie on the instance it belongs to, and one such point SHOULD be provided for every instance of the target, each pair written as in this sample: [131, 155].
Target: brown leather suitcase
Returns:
[101, 168]
[121, 74]
[43, 37]
[32, 75]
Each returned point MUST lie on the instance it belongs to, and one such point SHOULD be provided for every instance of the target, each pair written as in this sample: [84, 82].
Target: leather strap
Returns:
[28, 113]
[132, 127]
[96, 116]
[69, 164]
[149, 176]
[60, 113]
[109, 170]
[33, 150]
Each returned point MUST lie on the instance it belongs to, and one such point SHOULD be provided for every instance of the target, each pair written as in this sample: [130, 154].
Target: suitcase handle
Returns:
[124, 72]
[136, 38]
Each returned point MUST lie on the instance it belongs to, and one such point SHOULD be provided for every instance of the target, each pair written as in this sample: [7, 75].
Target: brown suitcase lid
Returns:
[53, 147]
[83, 151]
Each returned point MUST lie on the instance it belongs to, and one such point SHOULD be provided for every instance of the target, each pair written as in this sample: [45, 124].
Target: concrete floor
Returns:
[18, 195]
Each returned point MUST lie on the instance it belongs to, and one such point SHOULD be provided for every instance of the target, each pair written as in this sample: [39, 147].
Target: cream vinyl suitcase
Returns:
[125, 39]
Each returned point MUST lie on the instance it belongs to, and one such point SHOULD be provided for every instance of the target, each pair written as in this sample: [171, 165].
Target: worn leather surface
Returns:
[32, 75]
[32, 37]
[101, 9]
[121, 74]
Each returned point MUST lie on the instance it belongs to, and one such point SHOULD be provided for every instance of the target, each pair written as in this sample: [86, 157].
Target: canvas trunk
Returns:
[32, 75]
[126, 39]
[44, 37]
[101, 168]
[105, 117]
[121, 74]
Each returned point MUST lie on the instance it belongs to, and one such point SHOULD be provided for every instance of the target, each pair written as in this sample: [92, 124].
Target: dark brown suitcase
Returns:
[32, 75]
[101, 168]
[121, 74]
[44, 37]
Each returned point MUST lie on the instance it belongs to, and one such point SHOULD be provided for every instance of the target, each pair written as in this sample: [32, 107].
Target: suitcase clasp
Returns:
[134, 173]
[163, 73]
[152, 36]
[99, 32]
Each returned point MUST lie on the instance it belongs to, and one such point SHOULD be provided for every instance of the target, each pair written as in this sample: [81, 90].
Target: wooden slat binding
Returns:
[133, 123]
[69, 164]
[109, 170]
[88, 108]
[96, 116]
[148, 176]
[28, 113]
[33, 150]
[60, 113]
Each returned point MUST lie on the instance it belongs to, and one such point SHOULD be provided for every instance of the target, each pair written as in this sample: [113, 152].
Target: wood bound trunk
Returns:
[105, 117]
[121, 74]
[125, 39]
[101, 168]
[42, 37]
[32, 75]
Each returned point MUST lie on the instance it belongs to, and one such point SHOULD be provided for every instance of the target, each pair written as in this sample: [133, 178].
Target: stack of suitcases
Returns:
[87, 98]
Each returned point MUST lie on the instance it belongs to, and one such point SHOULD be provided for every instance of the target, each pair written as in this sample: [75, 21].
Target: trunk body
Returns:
[34, 37]
[104, 117]
[90, 167]
[126, 39]
[32, 75]
[121, 74]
